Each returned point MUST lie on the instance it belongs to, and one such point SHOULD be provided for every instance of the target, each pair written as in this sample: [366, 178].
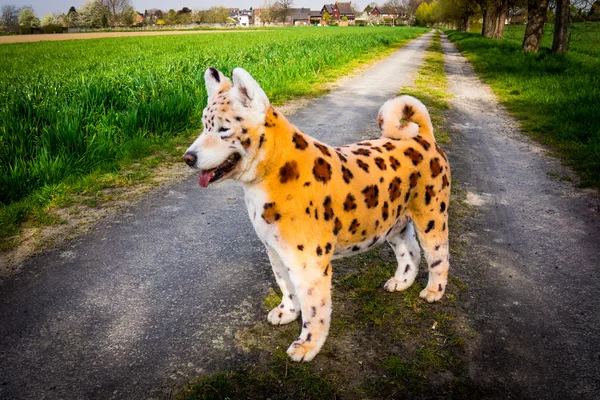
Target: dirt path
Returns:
[98, 35]
[531, 254]
[153, 296]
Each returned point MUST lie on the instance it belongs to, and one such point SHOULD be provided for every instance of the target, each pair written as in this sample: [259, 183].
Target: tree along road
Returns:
[531, 254]
[153, 297]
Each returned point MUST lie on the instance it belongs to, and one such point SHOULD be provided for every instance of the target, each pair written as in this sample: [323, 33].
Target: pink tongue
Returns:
[204, 178]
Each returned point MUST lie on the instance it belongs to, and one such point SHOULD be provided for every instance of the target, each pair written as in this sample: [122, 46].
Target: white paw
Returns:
[302, 351]
[431, 295]
[282, 316]
[395, 285]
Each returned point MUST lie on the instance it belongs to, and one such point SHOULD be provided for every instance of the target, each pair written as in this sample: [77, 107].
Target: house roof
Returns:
[345, 8]
[300, 13]
[315, 14]
[328, 8]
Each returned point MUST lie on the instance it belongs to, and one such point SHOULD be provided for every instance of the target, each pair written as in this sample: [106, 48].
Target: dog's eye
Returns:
[223, 129]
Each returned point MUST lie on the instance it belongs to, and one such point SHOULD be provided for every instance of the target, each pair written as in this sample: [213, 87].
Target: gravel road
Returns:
[531, 257]
[153, 297]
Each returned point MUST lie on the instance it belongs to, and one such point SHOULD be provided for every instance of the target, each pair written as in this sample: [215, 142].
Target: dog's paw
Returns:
[395, 285]
[282, 316]
[431, 295]
[302, 351]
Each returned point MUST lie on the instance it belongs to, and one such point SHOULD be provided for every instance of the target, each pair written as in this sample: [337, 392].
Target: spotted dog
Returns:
[311, 203]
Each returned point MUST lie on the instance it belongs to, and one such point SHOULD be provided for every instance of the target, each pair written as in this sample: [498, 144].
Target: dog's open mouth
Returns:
[212, 175]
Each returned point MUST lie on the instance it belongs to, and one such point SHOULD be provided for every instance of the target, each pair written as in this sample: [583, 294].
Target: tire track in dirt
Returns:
[532, 254]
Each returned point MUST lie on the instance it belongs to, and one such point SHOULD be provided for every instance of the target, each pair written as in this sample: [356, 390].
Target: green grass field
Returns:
[556, 98]
[71, 108]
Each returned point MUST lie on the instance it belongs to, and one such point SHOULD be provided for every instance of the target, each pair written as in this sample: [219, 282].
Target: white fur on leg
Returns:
[408, 255]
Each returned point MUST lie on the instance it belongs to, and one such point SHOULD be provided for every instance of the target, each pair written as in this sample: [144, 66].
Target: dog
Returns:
[311, 203]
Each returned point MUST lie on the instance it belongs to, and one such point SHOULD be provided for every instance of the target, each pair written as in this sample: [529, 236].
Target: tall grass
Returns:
[556, 98]
[71, 107]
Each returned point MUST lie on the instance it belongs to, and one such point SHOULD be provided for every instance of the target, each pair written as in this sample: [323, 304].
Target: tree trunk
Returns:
[494, 15]
[536, 18]
[561, 26]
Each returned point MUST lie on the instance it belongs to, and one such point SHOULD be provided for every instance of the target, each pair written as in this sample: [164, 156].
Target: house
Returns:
[338, 11]
[386, 14]
[242, 17]
[138, 19]
[315, 17]
[299, 16]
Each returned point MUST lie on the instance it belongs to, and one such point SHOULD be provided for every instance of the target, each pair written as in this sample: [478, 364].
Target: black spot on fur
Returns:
[328, 211]
[414, 156]
[322, 170]
[353, 226]
[385, 212]
[299, 141]
[362, 152]
[426, 145]
[337, 226]
[355, 248]
[328, 248]
[442, 206]
[347, 174]
[430, 226]
[323, 149]
[371, 193]
[300, 247]
[429, 193]
[289, 172]
[435, 263]
[394, 163]
[394, 189]
[270, 214]
[363, 165]
[350, 203]
[380, 162]
[319, 251]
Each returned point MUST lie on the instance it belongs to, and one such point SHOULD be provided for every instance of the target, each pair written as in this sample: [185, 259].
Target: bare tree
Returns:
[284, 9]
[116, 9]
[561, 26]
[9, 18]
[536, 18]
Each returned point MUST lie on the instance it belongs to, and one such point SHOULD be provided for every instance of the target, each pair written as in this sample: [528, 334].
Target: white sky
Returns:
[42, 7]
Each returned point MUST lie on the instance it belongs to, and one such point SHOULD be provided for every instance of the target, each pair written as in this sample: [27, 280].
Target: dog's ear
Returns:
[247, 92]
[215, 81]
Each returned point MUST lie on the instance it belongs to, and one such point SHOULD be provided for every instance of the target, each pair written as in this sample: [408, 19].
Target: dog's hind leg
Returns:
[289, 309]
[433, 236]
[408, 255]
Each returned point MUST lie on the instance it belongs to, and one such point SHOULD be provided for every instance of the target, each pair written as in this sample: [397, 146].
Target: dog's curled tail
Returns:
[404, 117]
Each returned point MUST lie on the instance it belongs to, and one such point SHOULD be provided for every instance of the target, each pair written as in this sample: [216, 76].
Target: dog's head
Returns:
[233, 120]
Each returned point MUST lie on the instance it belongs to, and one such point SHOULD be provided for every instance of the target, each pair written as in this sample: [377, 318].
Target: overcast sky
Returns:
[42, 7]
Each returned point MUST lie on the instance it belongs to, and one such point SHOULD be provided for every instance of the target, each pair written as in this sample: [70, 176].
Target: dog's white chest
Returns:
[256, 199]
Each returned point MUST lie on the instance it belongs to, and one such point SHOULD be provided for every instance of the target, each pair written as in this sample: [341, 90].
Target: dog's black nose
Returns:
[190, 158]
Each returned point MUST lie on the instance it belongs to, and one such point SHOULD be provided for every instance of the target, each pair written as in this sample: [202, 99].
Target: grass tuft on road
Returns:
[555, 98]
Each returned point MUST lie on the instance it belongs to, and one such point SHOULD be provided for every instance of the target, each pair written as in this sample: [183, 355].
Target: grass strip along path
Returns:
[83, 110]
[380, 345]
[555, 98]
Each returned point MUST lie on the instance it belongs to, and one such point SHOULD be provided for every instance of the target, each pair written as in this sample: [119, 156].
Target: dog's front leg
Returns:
[312, 283]
[289, 309]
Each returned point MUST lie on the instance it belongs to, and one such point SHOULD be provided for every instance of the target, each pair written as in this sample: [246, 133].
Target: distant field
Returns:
[97, 35]
[69, 108]
[556, 98]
